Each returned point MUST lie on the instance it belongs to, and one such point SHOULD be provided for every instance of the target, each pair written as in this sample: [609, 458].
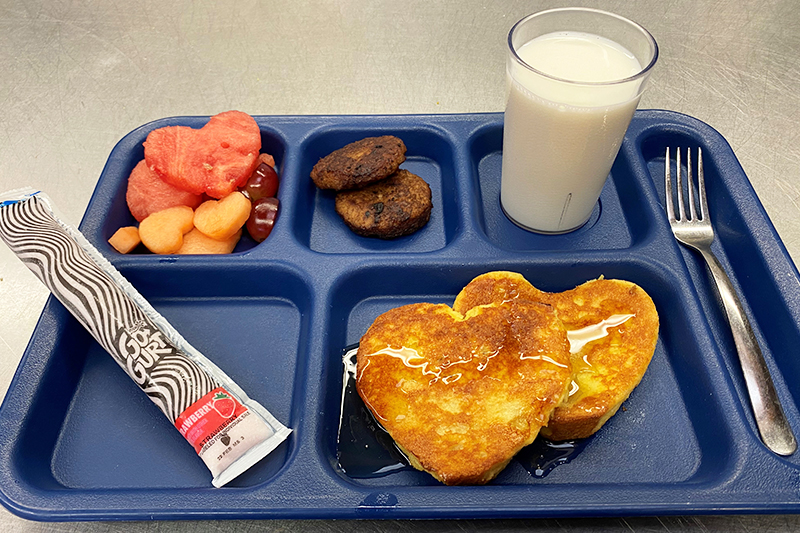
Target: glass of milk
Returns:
[575, 76]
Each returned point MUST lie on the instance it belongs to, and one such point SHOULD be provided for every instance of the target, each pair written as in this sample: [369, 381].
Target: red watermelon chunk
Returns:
[216, 159]
[147, 193]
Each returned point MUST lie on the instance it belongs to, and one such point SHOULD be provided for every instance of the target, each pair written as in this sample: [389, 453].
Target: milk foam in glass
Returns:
[575, 77]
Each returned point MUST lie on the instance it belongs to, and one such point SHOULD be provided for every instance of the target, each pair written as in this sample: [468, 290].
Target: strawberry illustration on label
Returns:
[224, 405]
[225, 438]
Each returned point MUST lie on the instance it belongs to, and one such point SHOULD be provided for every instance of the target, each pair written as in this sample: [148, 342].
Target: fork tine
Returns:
[690, 185]
[668, 187]
[679, 185]
[701, 184]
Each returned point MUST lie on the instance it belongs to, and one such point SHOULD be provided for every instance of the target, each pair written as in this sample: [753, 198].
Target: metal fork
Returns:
[696, 232]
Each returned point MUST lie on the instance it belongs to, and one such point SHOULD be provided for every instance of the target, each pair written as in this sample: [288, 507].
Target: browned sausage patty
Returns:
[359, 163]
[399, 205]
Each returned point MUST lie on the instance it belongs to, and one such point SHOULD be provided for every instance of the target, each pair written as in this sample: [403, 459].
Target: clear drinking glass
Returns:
[575, 77]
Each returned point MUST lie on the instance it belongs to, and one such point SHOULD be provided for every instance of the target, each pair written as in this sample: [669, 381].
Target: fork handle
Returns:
[770, 418]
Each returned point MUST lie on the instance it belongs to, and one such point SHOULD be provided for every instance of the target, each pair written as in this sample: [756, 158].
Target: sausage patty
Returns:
[359, 163]
[396, 206]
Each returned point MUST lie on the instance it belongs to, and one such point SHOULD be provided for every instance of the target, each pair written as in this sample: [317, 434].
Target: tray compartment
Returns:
[111, 436]
[669, 415]
[38, 430]
[745, 260]
[429, 155]
[622, 200]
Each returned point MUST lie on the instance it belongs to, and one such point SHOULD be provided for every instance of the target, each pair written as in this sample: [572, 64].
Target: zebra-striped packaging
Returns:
[229, 431]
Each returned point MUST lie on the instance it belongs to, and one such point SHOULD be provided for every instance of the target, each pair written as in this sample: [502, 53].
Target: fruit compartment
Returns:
[667, 415]
[109, 196]
[91, 428]
[430, 155]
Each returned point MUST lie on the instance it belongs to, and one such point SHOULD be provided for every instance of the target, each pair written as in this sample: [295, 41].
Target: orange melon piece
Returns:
[162, 232]
[125, 239]
[221, 219]
[197, 242]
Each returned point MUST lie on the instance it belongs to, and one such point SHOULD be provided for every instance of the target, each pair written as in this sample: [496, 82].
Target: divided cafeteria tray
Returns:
[79, 440]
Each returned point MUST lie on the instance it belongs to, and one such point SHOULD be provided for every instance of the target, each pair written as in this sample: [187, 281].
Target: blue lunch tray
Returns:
[79, 441]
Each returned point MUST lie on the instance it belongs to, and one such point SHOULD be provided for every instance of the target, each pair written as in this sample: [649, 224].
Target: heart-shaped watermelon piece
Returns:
[215, 160]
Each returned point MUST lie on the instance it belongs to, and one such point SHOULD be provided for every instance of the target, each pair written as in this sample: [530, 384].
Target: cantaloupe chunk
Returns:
[125, 239]
[197, 242]
[221, 219]
[266, 158]
[163, 232]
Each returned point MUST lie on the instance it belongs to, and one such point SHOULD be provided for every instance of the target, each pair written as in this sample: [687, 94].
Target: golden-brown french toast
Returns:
[612, 326]
[462, 394]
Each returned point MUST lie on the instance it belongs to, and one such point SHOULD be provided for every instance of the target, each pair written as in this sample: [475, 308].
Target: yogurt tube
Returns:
[228, 430]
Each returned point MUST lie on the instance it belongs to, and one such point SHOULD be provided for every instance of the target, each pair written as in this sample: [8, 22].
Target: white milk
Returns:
[560, 139]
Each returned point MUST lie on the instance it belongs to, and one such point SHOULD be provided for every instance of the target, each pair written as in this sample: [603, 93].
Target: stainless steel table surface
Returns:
[77, 75]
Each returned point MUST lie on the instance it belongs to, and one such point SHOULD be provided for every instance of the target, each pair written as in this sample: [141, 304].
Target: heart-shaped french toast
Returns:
[462, 394]
[214, 160]
[612, 326]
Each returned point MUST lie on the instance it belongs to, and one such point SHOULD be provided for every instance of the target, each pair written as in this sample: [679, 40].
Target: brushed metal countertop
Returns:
[77, 76]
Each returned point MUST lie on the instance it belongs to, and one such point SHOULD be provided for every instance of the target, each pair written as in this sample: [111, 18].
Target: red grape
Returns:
[262, 218]
[263, 183]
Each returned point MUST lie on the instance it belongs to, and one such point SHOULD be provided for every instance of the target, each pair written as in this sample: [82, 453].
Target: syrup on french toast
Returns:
[613, 329]
[462, 394]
